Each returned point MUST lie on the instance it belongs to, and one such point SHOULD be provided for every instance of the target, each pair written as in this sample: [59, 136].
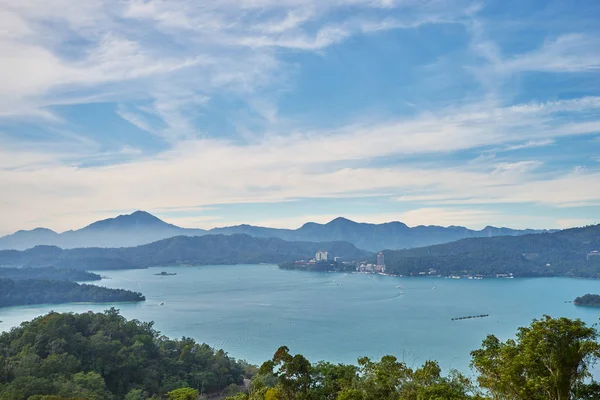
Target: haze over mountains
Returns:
[179, 250]
[141, 228]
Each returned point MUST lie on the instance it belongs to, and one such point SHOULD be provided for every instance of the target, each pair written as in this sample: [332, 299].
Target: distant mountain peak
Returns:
[36, 230]
[341, 221]
[136, 219]
[141, 227]
[140, 214]
[396, 223]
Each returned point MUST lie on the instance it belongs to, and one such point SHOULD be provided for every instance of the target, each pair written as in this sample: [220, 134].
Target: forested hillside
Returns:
[34, 291]
[202, 250]
[570, 252]
[104, 356]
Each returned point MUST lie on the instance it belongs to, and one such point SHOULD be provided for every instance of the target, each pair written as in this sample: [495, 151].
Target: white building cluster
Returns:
[378, 268]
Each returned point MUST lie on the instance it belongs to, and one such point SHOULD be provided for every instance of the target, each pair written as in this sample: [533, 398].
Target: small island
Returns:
[166, 273]
[588, 300]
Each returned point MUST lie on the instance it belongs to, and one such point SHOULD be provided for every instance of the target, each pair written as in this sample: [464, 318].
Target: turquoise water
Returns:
[250, 310]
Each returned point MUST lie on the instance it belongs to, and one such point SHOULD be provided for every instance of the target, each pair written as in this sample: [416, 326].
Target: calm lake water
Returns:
[250, 310]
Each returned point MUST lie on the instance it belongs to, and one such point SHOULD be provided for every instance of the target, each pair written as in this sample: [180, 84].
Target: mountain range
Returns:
[178, 250]
[141, 228]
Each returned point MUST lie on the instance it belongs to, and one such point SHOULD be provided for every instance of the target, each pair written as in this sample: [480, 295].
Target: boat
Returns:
[166, 273]
[162, 303]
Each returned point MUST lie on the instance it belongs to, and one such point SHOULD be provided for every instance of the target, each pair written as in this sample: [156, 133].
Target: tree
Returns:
[382, 380]
[549, 360]
[239, 396]
[329, 379]
[136, 394]
[104, 356]
[293, 373]
[183, 394]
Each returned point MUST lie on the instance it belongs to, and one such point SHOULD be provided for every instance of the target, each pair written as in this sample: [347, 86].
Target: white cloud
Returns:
[203, 172]
[529, 144]
[164, 60]
[62, 51]
[567, 53]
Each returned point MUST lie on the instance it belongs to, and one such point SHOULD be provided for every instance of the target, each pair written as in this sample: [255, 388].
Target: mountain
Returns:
[570, 252]
[26, 239]
[179, 250]
[142, 228]
[374, 237]
[129, 230]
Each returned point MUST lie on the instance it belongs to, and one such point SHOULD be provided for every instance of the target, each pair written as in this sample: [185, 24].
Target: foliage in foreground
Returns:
[104, 356]
[549, 360]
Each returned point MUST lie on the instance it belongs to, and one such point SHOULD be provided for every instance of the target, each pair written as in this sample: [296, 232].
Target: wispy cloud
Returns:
[567, 53]
[529, 144]
[279, 168]
[162, 65]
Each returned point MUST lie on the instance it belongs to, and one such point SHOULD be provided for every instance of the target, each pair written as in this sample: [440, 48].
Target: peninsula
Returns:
[32, 291]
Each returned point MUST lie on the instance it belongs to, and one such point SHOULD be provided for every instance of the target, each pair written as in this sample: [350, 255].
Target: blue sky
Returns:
[280, 112]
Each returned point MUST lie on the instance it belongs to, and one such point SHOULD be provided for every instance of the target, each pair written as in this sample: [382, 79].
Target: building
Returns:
[380, 260]
[321, 256]
[380, 263]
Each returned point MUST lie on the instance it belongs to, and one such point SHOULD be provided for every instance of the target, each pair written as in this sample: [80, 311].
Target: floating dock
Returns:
[470, 316]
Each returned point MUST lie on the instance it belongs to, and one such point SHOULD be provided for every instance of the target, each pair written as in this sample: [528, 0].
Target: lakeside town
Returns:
[324, 262]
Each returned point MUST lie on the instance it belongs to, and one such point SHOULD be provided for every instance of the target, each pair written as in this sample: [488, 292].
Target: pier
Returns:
[471, 316]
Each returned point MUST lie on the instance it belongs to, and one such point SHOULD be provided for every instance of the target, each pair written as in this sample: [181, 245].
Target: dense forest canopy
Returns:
[203, 250]
[104, 356]
[33, 291]
[571, 252]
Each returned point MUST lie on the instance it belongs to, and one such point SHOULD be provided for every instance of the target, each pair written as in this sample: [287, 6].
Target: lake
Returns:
[251, 310]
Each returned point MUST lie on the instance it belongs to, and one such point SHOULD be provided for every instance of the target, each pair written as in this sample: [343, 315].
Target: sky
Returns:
[278, 112]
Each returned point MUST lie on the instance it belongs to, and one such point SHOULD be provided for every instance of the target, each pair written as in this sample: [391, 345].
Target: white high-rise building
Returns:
[321, 256]
[380, 263]
[380, 260]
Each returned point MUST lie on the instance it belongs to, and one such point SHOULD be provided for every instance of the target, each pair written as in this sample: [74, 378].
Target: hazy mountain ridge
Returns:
[198, 250]
[141, 228]
[129, 230]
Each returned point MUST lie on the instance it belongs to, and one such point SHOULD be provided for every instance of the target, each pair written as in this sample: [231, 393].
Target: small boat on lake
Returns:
[166, 273]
